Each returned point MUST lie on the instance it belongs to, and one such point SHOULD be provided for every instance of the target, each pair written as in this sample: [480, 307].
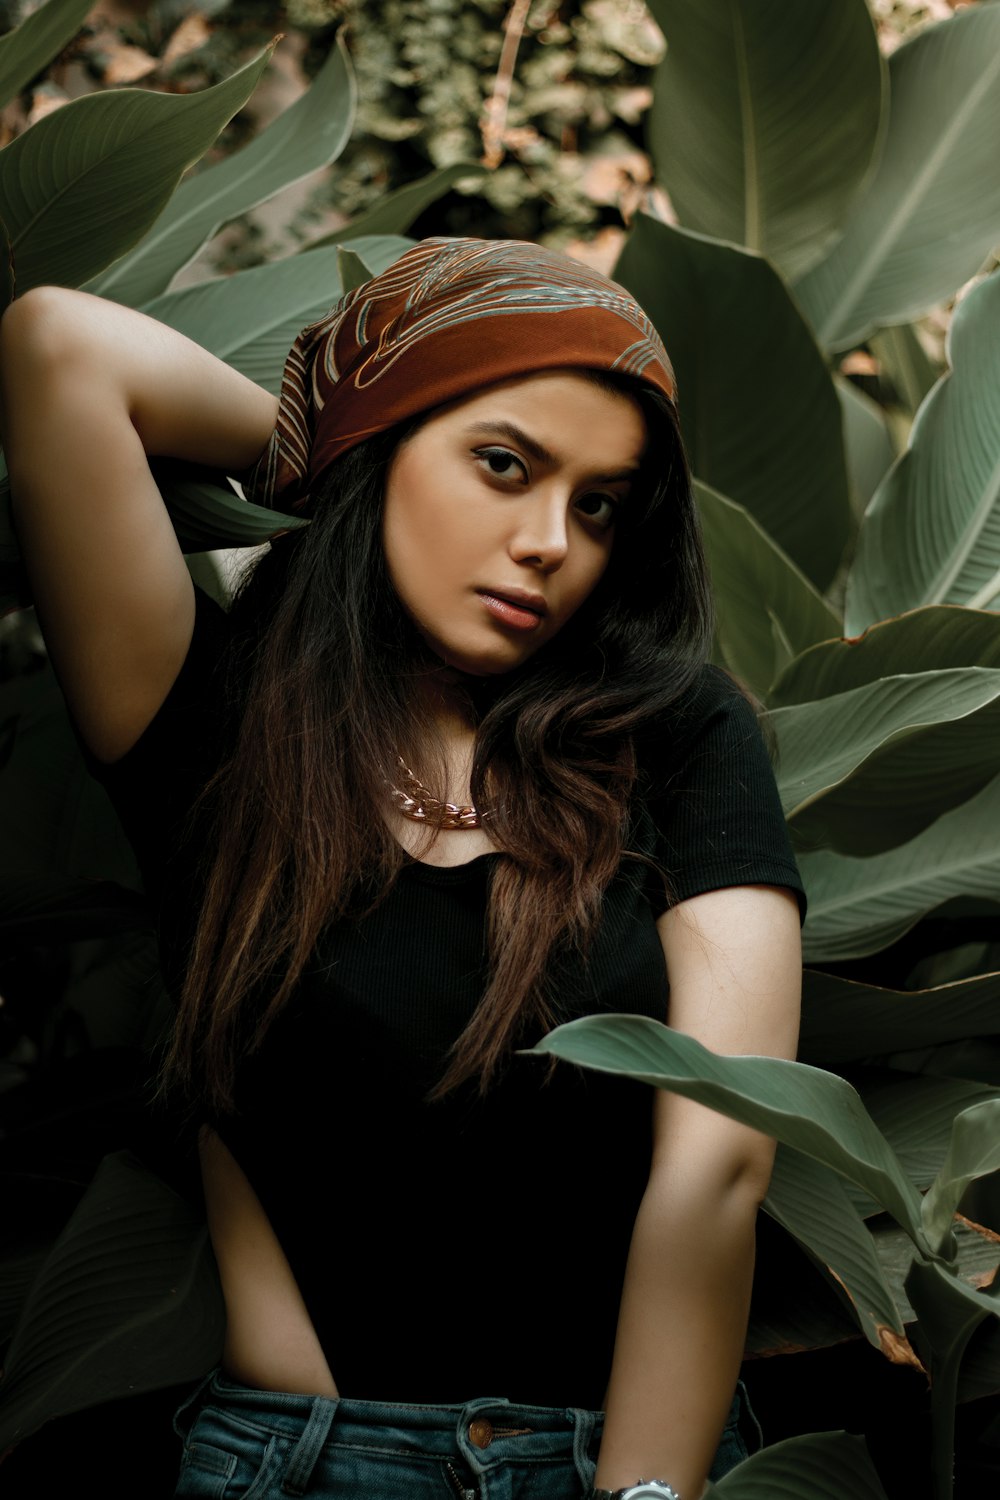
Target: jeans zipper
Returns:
[461, 1492]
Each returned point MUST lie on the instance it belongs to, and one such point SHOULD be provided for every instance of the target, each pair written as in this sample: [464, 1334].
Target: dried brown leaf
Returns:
[124, 63]
[192, 33]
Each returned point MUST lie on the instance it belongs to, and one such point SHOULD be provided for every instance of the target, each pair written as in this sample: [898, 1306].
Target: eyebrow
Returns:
[537, 450]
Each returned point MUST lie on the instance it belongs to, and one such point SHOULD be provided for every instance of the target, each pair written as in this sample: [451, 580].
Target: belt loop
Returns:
[187, 1411]
[584, 1423]
[309, 1446]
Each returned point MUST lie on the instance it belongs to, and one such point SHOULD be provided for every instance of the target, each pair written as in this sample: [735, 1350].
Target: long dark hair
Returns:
[322, 672]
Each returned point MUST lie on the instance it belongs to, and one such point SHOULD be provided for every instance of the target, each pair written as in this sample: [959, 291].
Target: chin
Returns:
[485, 663]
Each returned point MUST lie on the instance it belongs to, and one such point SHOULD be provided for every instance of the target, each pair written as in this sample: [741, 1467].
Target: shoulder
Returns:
[708, 788]
[713, 727]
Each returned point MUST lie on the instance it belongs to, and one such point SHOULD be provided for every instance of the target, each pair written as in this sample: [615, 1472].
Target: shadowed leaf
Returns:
[127, 1301]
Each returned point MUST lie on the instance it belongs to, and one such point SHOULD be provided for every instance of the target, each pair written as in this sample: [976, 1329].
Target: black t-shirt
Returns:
[473, 1246]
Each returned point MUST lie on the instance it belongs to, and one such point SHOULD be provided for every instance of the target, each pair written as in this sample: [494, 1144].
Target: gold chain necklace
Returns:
[414, 801]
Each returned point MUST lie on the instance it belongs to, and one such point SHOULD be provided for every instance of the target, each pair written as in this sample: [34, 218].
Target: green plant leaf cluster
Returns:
[825, 198]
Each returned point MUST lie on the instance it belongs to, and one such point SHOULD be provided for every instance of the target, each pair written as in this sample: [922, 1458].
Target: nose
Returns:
[541, 539]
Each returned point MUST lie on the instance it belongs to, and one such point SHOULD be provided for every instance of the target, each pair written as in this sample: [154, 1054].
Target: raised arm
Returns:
[733, 959]
[88, 389]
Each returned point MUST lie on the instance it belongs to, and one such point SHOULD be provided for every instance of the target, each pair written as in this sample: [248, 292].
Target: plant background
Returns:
[570, 167]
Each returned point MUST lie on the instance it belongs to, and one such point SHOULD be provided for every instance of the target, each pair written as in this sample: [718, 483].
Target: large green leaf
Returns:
[767, 610]
[931, 212]
[932, 532]
[814, 1112]
[765, 119]
[308, 135]
[815, 1466]
[867, 769]
[843, 1021]
[973, 1150]
[809, 1201]
[127, 1301]
[759, 412]
[870, 450]
[857, 906]
[916, 1114]
[83, 184]
[251, 319]
[25, 51]
[936, 638]
[396, 212]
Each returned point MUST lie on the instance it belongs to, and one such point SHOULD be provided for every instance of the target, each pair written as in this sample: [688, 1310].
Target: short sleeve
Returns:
[713, 799]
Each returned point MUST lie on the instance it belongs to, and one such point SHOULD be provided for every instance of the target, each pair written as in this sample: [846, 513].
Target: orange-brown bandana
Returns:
[448, 318]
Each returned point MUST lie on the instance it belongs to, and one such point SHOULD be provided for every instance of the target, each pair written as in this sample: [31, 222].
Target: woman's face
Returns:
[500, 514]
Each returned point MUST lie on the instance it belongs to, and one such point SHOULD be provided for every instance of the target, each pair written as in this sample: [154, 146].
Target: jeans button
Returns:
[481, 1432]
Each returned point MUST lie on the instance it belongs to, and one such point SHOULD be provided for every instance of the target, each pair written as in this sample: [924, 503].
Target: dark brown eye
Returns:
[502, 463]
[599, 507]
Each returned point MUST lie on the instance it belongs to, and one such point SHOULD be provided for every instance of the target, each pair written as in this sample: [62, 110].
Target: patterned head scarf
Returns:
[449, 317]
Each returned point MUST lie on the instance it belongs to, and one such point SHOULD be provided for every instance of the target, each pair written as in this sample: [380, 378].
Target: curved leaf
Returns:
[817, 1113]
[906, 362]
[127, 1301]
[932, 531]
[816, 1466]
[931, 212]
[767, 611]
[353, 271]
[973, 1150]
[251, 319]
[864, 770]
[916, 1114]
[936, 638]
[843, 1021]
[809, 1201]
[870, 450]
[765, 119]
[83, 184]
[397, 211]
[206, 514]
[857, 906]
[975, 1261]
[309, 134]
[759, 412]
[26, 50]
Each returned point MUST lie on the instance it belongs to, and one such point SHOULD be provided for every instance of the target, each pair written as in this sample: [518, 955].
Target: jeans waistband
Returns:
[282, 1411]
[487, 1431]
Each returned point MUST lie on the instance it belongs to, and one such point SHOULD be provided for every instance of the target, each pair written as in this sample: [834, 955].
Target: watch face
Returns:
[653, 1490]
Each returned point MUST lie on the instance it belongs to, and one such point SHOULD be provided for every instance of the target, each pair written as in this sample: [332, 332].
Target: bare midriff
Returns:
[270, 1344]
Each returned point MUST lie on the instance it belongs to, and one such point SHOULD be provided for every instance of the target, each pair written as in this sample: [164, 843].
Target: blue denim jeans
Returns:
[242, 1444]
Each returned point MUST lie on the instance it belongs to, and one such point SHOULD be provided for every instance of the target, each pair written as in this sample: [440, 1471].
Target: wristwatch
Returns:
[646, 1489]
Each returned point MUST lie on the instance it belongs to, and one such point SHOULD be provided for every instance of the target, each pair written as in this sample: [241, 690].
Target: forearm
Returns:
[87, 391]
[681, 1332]
[71, 364]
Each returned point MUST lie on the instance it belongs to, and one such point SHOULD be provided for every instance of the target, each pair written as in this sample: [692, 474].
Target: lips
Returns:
[519, 598]
[515, 609]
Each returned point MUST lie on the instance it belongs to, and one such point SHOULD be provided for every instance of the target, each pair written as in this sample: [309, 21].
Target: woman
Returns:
[441, 1262]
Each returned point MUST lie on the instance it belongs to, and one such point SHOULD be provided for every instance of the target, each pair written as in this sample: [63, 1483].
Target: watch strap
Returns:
[645, 1489]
